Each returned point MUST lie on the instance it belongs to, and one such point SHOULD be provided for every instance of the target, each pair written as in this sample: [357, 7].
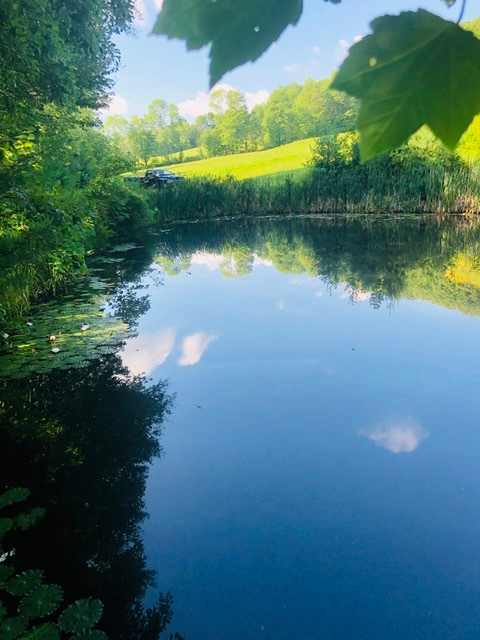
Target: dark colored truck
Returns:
[155, 177]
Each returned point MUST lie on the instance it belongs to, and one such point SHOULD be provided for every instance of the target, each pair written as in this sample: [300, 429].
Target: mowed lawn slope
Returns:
[283, 159]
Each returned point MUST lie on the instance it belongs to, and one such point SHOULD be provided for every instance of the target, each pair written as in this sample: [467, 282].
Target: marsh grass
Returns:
[363, 189]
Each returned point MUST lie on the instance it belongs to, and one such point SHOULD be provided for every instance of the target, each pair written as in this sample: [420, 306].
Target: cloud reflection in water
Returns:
[397, 437]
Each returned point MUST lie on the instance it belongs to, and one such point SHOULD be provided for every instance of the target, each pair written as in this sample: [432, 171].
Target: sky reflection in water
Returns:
[307, 444]
[320, 476]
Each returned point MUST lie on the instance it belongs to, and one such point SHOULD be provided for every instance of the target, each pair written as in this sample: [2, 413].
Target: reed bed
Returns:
[386, 188]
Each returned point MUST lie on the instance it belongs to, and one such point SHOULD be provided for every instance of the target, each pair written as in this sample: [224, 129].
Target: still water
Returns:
[294, 405]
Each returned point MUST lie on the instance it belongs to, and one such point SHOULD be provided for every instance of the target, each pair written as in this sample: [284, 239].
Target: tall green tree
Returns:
[60, 52]
[280, 118]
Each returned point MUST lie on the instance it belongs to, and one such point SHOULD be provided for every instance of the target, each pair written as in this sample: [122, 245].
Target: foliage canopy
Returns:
[415, 69]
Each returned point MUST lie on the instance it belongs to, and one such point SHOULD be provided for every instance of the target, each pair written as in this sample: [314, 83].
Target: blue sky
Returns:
[154, 67]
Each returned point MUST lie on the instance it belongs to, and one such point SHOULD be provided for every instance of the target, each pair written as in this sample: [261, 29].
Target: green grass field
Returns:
[284, 159]
[182, 156]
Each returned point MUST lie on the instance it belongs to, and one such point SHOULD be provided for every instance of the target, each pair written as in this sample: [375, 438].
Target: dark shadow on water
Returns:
[82, 440]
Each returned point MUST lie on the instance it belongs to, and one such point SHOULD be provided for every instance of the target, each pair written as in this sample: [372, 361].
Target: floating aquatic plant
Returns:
[47, 631]
[43, 601]
[64, 333]
[37, 599]
[25, 583]
[12, 627]
[80, 616]
[17, 494]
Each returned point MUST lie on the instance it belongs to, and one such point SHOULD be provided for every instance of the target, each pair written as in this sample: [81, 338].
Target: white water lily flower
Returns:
[84, 327]
[5, 336]
[55, 350]
[52, 338]
[29, 324]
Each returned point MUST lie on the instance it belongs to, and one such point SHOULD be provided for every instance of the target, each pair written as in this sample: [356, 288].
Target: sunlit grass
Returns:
[192, 154]
[464, 270]
[284, 159]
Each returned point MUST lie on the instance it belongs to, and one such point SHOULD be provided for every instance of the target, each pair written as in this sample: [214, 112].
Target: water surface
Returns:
[305, 446]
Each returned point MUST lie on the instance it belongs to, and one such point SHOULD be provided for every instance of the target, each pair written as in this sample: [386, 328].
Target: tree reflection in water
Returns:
[82, 439]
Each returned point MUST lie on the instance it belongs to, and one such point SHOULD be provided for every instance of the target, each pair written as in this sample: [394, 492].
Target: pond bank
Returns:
[40, 255]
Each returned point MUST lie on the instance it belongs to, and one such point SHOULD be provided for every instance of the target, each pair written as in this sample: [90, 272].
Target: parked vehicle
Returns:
[159, 176]
[154, 177]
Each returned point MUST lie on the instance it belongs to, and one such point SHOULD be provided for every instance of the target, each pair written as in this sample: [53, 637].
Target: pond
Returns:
[276, 422]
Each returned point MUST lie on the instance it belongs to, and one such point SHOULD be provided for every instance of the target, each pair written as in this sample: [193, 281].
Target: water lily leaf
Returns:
[12, 628]
[81, 616]
[6, 524]
[25, 583]
[414, 69]
[29, 519]
[5, 574]
[237, 33]
[94, 634]
[48, 631]
[42, 602]
[12, 496]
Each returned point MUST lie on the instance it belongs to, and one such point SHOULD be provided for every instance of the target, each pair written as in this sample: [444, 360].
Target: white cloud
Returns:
[316, 50]
[397, 437]
[194, 107]
[148, 351]
[194, 347]
[199, 104]
[254, 98]
[211, 260]
[158, 4]
[259, 261]
[344, 47]
[356, 295]
[117, 106]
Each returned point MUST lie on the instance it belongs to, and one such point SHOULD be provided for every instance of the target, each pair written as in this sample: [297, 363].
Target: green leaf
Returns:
[414, 69]
[237, 33]
[29, 519]
[25, 583]
[94, 634]
[3, 611]
[11, 628]
[12, 496]
[5, 574]
[6, 524]
[48, 631]
[81, 616]
[41, 602]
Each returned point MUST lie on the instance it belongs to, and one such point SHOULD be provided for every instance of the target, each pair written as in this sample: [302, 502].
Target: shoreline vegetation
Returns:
[62, 192]
[36, 264]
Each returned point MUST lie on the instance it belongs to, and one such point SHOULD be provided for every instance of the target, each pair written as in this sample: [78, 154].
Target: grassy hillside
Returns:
[283, 159]
[181, 156]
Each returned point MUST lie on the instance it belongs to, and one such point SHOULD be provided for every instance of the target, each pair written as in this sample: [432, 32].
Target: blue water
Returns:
[320, 476]
[301, 456]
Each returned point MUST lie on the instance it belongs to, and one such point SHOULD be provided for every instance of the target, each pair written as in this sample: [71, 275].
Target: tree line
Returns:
[292, 112]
